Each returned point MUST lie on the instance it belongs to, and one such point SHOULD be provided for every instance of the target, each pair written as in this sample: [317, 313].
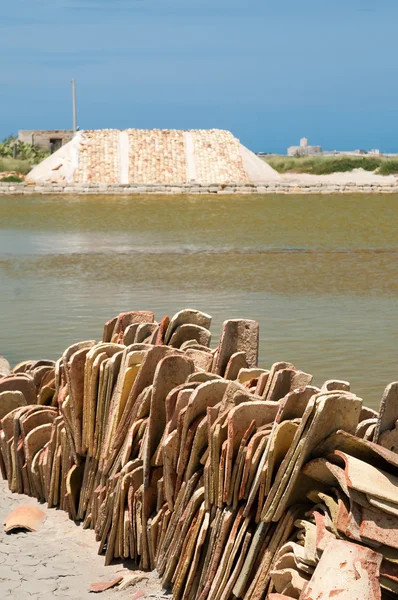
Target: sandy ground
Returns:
[60, 560]
[357, 176]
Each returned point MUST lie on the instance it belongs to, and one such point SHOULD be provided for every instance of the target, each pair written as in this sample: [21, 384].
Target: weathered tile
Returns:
[238, 335]
[345, 569]
[10, 400]
[20, 383]
[332, 412]
[388, 413]
[239, 419]
[201, 359]
[205, 395]
[144, 332]
[30, 518]
[188, 331]
[186, 316]
[282, 438]
[236, 363]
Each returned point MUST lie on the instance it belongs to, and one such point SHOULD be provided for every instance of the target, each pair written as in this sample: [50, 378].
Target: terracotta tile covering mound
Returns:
[233, 481]
[217, 157]
[99, 157]
[157, 156]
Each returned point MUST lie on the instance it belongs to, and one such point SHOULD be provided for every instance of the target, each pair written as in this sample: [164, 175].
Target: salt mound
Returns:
[150, 156]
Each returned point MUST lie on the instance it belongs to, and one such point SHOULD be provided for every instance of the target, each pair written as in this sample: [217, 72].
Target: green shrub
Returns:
[11, 147]
[12, 179]
[388, 167]
[323, 165]
[14, 164]
[344, 164]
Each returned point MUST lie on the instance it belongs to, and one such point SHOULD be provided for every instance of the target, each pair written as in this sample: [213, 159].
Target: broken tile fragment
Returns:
[24, 517]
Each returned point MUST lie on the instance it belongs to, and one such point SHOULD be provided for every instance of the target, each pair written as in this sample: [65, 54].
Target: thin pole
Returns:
[74, 106]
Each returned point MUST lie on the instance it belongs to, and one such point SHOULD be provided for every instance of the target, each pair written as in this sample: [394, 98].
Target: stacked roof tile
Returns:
[159, 156]
[99, 157]
[217, 157]
[151, 156]
[156, 156]
[231, 480]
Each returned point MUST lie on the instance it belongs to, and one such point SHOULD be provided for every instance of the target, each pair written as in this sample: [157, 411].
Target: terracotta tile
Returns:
[189, 331]
[206, 394]
[238, 462]
[363, 427]
[246, 374]
[24, 517]
[226, 524]
[201, 377]
[199, 446]
[337, 573]
[368, 479]
[188, 554]
[181, 502]
[102, 587]
[289, 580]
[138, 594]
[227, 558]
[144, 332]
[226, 593]
[193, 576]
[278, 366]
[250, 558]
[251, 463]
[20, 383]
[282, 438]
[335, 384]
[9, 401]
[186, 451]
[238, 335]
[261, 579]
[361, 449]
[180, 534]
[214, 533]
[184, 317]
[202, 360]
[388, 413]
[389, 439]
[236, 362]
[280, 384]
[239, 419]
[332, 411]
[144, 378]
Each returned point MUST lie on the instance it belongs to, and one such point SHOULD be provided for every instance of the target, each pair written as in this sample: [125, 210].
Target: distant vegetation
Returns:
[325, 165]
[19, 156]
[389, 167]
[14, 164]
[12, 179]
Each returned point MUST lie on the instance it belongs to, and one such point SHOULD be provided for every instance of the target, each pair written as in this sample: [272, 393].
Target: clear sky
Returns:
[269, 71]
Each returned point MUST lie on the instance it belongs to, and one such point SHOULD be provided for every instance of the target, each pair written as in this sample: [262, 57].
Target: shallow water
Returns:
[320, 274]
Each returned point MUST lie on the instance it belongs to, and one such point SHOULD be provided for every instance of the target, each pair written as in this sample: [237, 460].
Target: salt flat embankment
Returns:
[303, 184]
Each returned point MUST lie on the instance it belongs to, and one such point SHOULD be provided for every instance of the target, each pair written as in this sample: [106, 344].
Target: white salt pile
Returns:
[146, 156]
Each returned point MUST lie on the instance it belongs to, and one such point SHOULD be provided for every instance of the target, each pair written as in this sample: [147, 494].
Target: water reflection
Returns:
[320, 274]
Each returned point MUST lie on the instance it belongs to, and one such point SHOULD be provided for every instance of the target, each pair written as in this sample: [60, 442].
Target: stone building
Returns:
[50, 139]
[304, 149]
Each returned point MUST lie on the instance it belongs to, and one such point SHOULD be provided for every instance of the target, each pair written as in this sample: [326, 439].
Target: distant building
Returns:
[304, 149]
[359, 152]
[49, 139]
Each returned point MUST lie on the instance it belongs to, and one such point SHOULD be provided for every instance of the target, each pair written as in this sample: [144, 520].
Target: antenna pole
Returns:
[74, 105]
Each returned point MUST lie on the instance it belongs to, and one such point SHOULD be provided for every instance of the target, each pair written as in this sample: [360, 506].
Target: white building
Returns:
[304, 149]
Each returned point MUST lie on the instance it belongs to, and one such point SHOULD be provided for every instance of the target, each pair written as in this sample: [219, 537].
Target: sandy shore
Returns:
[356, 177]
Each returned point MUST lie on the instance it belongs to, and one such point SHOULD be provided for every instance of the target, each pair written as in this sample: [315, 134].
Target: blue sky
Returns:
[269, 71]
